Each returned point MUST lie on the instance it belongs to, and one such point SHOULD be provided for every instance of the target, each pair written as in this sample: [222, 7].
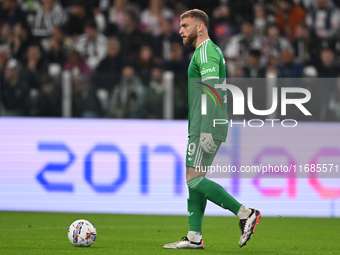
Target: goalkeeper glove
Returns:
[207, 143]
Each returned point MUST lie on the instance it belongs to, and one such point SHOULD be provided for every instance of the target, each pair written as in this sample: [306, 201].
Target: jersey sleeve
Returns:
[209, 64]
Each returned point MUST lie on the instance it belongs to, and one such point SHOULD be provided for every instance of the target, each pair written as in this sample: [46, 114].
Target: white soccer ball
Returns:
[82, 233]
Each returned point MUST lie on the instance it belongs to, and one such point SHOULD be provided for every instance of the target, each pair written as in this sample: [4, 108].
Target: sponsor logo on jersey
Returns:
[208, 70]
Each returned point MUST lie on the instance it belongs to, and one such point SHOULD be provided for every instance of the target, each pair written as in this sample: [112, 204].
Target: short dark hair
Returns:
[46, 79]
[255, 53]
[196, 14]
[270, 25]
[78, 3]
[248, 20]
[291, 2]
[132, 15]
[91, 23]
[327, 49]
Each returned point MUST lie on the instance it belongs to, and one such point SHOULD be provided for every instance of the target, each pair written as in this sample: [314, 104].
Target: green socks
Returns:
[211, 191]
[196, 208]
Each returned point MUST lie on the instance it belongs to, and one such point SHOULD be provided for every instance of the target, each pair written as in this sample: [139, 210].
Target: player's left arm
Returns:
[209, 69]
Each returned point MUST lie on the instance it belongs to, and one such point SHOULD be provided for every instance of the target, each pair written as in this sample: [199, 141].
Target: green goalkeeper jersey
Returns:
[207, 68]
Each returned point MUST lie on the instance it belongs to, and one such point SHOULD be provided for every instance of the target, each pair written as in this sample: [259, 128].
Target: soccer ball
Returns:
[82, 233]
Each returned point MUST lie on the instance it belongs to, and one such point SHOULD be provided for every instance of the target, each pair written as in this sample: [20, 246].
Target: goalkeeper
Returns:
[207, 68]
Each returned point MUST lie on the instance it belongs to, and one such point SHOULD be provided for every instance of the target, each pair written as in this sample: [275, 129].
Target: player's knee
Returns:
[193, 173]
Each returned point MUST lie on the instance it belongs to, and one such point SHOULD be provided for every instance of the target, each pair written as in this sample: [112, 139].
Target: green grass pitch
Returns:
[46, 233]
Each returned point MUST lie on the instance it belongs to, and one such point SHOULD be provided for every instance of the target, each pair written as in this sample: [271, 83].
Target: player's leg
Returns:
[214, 192]
[211, 190]
[196, 208]
[196, 201]
[200, 189]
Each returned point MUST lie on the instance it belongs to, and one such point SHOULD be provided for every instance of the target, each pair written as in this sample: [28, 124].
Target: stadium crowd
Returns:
[122, 48]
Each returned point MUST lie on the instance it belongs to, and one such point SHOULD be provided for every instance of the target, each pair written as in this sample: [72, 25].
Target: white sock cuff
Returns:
[243, 212]
[194, 236]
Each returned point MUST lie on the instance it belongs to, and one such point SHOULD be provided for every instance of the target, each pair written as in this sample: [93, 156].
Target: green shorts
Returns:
[195, 154]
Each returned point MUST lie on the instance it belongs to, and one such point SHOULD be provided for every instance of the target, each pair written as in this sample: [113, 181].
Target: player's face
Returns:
[188, 31]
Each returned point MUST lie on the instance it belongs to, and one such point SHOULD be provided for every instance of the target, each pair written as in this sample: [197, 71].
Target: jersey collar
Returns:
[202, 43]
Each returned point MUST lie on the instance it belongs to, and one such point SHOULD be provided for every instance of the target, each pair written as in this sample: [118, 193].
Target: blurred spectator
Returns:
[48, 100]
[154, 44]
[310, 82]
[22, 38]
[254, 68]
[11, 13]
[223, 25]
[78, 17]
[30, 7]
[310, 72]
[4, 55]
[260, 19]
[178, 9]
[89, 4]
[35, 66]
[333, 109]
[178, 62]
[305, 4]
[115, 19]
[85, 102]
[14, 91]
[328, 68]
[104, 5]
[5, 34]
[162, 43]
[3, 58]
[50, 15]
[238, 72]
[144, 63]
[59, 46]
[127, 96]
[324, 19]
[130, 37]
[306, 45]
[151, 17]
[289, 15]
[153, 100]
[109, 69]
[243, 8]
[113, 61]
[92, 44]
[288, 68]
[272, 71]
[100, 19]
[240, 44]
[76, 65]
[273, 44]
